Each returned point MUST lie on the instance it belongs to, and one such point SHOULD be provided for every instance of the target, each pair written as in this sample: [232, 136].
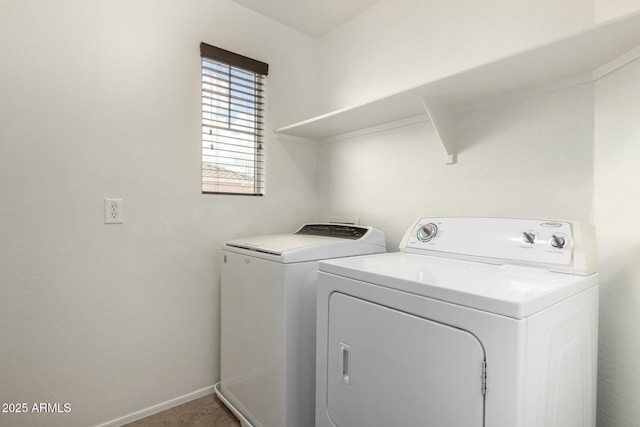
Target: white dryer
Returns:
[476, 322]
[268, 304]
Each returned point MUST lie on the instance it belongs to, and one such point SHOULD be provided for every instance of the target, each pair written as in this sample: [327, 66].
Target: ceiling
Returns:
[313, 17]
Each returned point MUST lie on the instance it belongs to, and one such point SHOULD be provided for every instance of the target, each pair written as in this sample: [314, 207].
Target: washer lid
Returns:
[507, 290]
[307, 244]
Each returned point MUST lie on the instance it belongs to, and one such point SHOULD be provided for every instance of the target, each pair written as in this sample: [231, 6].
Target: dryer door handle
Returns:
[345, 356]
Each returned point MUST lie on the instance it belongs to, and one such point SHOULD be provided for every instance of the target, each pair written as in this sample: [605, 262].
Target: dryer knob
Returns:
[528, 237]
[427, 232]
[557, 241]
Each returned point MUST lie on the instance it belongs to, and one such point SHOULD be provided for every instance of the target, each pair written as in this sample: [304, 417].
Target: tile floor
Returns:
[207, 411]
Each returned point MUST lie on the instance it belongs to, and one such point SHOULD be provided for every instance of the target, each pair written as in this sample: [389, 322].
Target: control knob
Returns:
[528, 237]
[427, 232]
[557, 241]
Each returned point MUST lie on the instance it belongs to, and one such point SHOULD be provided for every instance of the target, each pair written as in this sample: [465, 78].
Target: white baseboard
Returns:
[138, 415]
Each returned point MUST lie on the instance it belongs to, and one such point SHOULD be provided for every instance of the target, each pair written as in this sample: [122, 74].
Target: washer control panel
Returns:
[520, 240]
[343, 231]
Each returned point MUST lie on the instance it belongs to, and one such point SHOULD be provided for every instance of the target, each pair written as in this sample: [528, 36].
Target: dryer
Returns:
[268, 302]
[476, 322]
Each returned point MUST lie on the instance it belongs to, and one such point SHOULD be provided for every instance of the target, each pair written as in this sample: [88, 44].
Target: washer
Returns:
[476, 322]
[268, 319]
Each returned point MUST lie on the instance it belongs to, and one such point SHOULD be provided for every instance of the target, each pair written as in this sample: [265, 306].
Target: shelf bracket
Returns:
[441, 116]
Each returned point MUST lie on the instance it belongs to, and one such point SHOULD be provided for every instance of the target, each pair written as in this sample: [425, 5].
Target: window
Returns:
[232, 100]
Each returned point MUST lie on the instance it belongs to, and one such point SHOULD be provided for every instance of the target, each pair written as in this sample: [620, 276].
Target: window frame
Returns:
[240, 131]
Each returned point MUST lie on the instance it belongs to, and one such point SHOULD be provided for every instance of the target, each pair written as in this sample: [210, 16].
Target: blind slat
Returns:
[230, 164]
[238, 104]
[231, 107]
[223, 161]
[224, 98]
[252, 84]
[212, 137]
[218, 170]
[231, 154]
[231, 127]
[226, 90]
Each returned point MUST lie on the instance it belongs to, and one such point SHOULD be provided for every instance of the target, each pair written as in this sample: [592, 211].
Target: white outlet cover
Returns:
[113, 211]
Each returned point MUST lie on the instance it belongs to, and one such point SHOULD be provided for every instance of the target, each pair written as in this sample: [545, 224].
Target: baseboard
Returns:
[243, 421]
[158, 408]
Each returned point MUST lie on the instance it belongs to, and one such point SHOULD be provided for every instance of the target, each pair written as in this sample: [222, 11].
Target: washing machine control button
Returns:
[528, 237]
[427, 232]
[557, 241]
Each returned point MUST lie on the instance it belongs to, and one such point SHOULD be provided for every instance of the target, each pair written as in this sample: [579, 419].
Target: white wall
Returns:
[528, 158]
[101, 99]
[399, 44]
[617, 207]
[611, 9]
[509, 154]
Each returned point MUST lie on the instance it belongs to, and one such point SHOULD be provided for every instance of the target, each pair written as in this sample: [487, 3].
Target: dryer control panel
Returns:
[565, 246]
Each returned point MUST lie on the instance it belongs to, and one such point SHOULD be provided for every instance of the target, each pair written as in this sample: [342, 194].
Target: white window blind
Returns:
[232, 125]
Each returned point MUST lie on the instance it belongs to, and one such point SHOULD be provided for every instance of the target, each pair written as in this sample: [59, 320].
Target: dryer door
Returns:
[390, 368]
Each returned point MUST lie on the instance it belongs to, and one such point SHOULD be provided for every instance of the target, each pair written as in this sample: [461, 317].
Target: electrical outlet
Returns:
[113, 212]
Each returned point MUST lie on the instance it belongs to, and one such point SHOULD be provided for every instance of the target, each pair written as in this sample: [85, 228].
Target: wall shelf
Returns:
[580, 58]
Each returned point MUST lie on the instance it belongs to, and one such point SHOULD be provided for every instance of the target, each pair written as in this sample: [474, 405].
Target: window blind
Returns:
[232, 122]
